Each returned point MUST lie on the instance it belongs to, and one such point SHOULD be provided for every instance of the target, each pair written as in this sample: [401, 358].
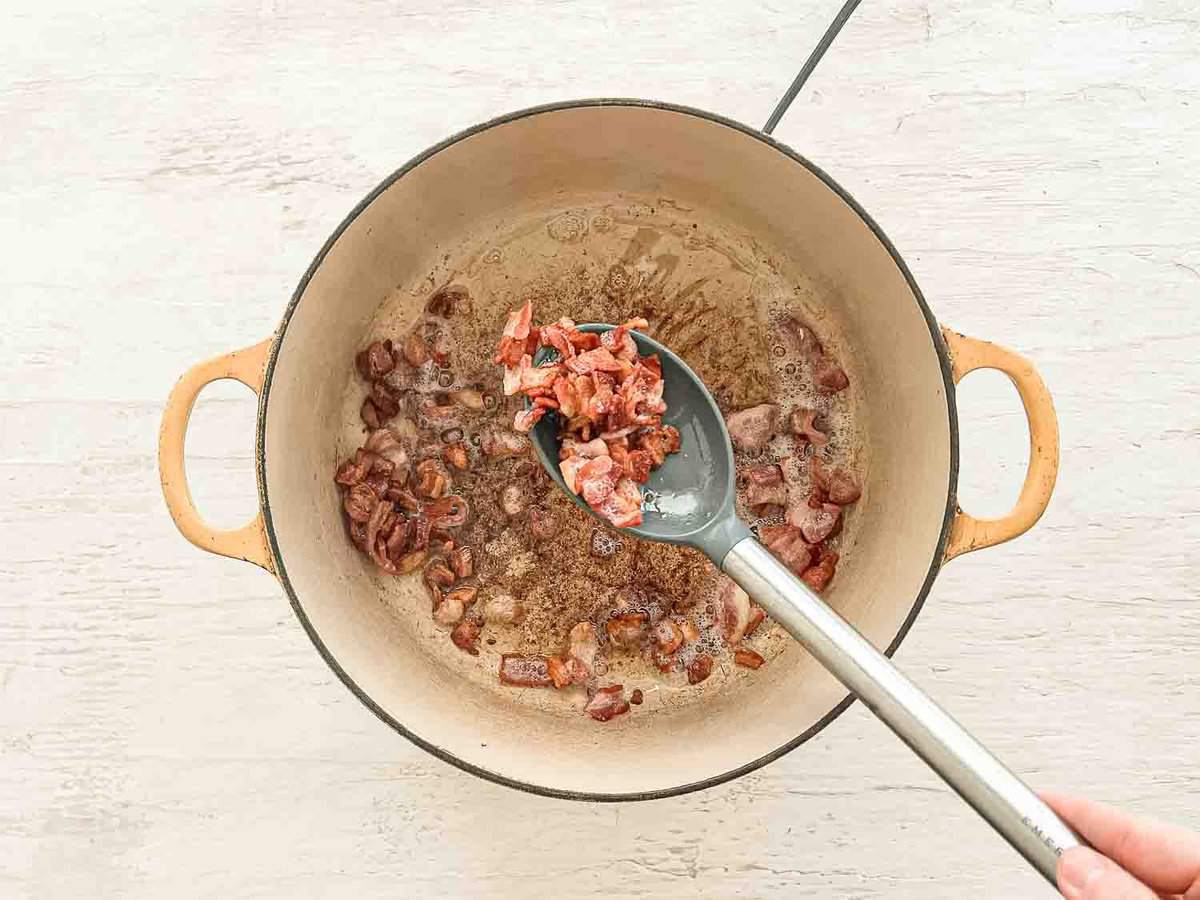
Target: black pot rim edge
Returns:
[936, 339]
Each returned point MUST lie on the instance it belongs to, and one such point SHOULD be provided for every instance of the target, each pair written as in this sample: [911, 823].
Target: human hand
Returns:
[1140, 856]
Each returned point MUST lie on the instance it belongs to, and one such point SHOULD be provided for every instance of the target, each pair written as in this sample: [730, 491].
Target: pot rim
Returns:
[935, 336]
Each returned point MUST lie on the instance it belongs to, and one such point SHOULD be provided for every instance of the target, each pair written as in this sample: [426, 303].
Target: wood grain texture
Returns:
[168, 170]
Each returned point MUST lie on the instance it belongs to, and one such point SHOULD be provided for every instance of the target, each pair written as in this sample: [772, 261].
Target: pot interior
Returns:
[563, 200]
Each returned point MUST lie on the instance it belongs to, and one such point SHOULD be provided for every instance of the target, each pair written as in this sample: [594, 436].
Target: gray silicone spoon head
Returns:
[689, 499]
[692, 502]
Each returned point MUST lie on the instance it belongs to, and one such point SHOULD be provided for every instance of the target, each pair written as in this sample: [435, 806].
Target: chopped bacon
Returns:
[386, 444]
[415, 351]
[626, 630]
[466, 636]
[623, 507]
[359, 502]
[516, 332]
[457, 455]
[527, 418]
[351, 472]
[450, 511]
[766, 488]
[636, 697]
[733, 612]
[751, 429]
[607, 703]
[583, 646]
[805, 425]
[438, 575]
[787, 543]
[757, 615]
[449, 609]
[815, 524]
[599, 360]
[525, 671]
[819, 576]
[433, 479]
[839, 485]
[570, 468]
[748, 658]
[462, 561]
[376, 361]
[699, 668]
[667, 636]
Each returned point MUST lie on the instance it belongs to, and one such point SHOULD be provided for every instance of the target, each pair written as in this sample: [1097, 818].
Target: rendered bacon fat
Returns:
[609, 401]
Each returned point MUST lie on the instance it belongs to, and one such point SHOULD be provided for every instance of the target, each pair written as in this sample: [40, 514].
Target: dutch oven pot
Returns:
[904, 368]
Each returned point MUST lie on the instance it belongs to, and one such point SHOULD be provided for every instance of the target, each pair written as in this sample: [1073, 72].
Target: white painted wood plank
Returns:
[168, 170]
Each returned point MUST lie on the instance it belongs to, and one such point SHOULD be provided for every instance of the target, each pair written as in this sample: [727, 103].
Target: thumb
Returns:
[1083, 874]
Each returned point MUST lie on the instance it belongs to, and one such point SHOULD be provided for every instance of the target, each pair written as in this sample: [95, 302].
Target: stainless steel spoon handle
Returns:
[998, 795]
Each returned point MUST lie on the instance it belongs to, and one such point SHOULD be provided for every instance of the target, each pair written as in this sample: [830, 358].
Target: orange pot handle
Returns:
[250, 541]
[968, 533]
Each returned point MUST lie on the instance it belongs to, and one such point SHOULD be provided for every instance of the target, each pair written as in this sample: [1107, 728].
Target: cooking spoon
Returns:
[690, 500]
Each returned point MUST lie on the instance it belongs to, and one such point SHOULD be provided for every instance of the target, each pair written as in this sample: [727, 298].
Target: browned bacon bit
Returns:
[583, 646]
[787, 543]
[387, 404]
[525, 671]
[667, 636]
[748, 658]
[691, 633]
[607, 703]
[733, 611]
[438, 575]
[458, 455]
[351, 472]
[636, 697]
[465, 593]
[699, 668]
[411, 562]
[403, 498]
[462, 561]
[626, 630]
[516, 333]
[819, 576]
[751, 429]
[766, 488]
[466, 636]
[560, 673]
[839, 485]
[757, 615]
[386, 444]
[815, 524]
[805, 424]
[450, 511]
[449, 610]
[376, 361]
[432, 479]
[599, 386]
[415, 351]
[360, 501]
[369, 414]
[503, 609]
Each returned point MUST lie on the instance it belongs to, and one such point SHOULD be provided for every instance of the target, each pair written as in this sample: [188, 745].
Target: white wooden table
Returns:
[167, 170]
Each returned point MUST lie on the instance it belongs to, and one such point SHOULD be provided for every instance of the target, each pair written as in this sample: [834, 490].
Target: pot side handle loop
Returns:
[248, 542]
[967, 532]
